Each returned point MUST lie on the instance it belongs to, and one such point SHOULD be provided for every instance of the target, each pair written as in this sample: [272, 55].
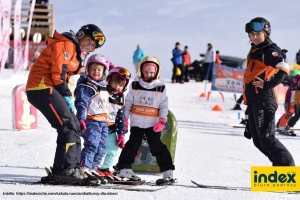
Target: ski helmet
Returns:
[149, 59]
[98, 58]
[294, 72]
[119, 71]
[94, 32]
[258, 24]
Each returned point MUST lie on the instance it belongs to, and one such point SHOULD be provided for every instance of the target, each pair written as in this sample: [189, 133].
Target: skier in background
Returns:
[288, 104]
[265, 70]
[47, 90]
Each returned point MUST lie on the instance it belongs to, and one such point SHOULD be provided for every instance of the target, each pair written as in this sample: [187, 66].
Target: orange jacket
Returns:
[57, 62]
[267, 63]
[186, 58]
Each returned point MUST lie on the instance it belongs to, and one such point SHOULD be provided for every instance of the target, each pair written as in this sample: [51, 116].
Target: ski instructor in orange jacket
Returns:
[266, 68]
[48, 91]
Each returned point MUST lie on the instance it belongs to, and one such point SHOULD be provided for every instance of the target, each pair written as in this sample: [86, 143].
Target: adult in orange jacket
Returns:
[48, 91]
[266, 68]
[186, 62]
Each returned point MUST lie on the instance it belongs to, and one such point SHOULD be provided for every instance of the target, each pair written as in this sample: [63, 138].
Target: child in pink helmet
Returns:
[117, 82]
[91, 102]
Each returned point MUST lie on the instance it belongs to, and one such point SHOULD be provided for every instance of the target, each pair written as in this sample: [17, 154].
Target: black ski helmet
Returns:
[89, 30]
[266, 26]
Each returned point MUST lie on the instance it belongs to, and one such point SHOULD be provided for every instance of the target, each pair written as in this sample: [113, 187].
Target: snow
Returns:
[209, 151]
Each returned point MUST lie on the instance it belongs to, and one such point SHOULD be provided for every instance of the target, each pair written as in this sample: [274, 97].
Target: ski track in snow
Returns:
[209, 151]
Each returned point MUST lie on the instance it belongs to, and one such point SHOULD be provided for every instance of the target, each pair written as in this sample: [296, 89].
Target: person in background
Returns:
[186, 58]
[210, 58]
[177, 61]
[218, 58]
[298, 58]
[138, 55]
[288, 104]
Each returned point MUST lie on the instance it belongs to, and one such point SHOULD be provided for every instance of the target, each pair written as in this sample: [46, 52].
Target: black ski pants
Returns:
[174, 76]
[293, 120]
[157, 149]
[269, 146]
[205, 71]
[54, 107]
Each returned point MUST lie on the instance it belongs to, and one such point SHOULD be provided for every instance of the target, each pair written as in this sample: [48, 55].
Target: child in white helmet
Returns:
[91, 102]
[147, 106]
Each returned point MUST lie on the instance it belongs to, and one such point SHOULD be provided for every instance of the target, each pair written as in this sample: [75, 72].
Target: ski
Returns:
[238, 125]
[235, 188]
[221, 187]
[163, 182]
[129, 182]
[139, 188]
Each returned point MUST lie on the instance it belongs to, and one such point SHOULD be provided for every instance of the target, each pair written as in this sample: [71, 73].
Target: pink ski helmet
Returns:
[98, 58]
[119, 71]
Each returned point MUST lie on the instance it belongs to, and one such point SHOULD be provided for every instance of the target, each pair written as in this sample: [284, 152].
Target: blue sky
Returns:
[157, 25]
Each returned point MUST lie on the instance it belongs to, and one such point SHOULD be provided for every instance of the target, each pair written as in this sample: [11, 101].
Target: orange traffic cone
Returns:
[217, 108]
[202, 95]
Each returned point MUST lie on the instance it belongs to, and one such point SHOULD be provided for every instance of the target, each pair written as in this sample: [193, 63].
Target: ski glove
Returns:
[126, 125]
[82, 124]
[68, 100]
[296, 108]
[160, 125]
[121, 141]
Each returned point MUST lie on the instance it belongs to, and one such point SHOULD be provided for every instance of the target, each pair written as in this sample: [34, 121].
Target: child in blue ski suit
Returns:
[91, 102]
[117, 82]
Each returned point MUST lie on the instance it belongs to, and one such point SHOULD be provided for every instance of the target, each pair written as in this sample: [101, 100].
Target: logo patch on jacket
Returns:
[275, 54]
[66, 55]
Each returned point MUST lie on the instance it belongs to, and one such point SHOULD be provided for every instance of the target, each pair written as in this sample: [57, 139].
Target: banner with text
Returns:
[227, 79]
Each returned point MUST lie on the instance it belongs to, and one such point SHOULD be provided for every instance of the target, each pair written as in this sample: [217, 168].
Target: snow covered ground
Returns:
[209, 150]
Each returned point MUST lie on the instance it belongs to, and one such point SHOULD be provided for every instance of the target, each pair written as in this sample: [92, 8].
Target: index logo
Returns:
[275, 178]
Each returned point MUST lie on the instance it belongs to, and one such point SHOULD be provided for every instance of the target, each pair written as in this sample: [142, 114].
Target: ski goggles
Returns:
[99, 37]
[122, 71]
[254, 26]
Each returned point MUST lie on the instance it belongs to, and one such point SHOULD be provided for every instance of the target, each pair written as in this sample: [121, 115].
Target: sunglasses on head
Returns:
[254, 26]
[99, 37]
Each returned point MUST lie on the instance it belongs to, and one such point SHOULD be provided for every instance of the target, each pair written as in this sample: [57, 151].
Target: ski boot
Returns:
[244, 121]
[71, 176]
[107, 174]
[167, 178]
[237, 107]
[100, 176]
[49, 178]
[127, 173]
[286, 131]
